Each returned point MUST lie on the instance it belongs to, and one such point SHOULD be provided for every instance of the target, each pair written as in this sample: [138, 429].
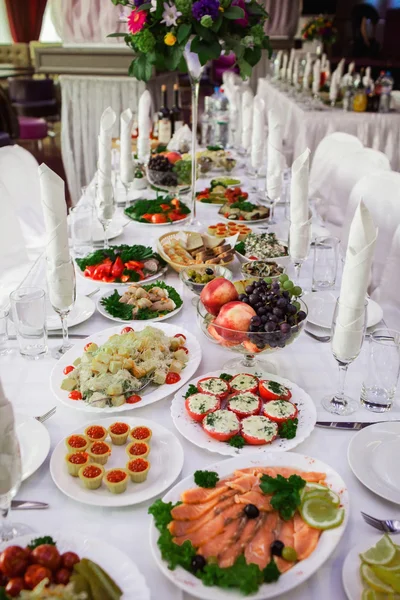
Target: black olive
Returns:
[276, 548]
[209, 271]
[251, 511]
[198, 563]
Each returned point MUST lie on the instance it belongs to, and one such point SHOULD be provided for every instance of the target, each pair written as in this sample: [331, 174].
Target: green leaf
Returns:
[217, 24]
[145, 6]
[159, 10]
[256, 9]
[206, 479]
[183, 32]
[173, 57]
[245, 68]
[204, 33]
[142, 68]
[252, 55]
[116, 35]
[182, 67]
[233, 13]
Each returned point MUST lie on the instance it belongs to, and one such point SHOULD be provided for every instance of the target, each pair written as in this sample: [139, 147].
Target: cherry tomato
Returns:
[68, 369]
[48, 556]
[180, 335]
[62, 576]
[118, 267]
[69, 559]
[278, 419]
[75, 395]
[124, 278]
[255, 441]
[87, 346]
[175, 202]
[89, 271]
[172, 378]
[35, 574]
[133, 399]
[165, 206]
[158, 218]
[147, 216]
[15, 586]
[13, 561]
[126, 329]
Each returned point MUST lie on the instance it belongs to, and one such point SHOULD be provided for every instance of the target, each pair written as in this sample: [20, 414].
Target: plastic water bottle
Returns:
[387, 86]
[220, 118]
[207, 123]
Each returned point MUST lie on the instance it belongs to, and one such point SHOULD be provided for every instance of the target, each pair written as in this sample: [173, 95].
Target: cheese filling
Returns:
[222, 421]
[260, 428]
[280, 408]
[202, 403]
[245, 403]
[243, 382]
[214, 385]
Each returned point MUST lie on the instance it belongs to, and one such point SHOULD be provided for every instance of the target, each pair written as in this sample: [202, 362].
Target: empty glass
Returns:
[28, 308]
[105, 207]
[326, 253]
[62, 294]
[383, 369]
[4, 313]
[81, 219]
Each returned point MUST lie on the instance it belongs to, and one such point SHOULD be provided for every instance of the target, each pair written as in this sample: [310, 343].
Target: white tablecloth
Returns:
[308, 363]
[306, 128]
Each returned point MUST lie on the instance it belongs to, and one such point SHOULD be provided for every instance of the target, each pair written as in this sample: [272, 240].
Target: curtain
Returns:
[283, 17]
[25, 19]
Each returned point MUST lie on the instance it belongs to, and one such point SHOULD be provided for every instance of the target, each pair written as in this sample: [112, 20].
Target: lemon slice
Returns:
[325, 494]
[373, 581]
[368, 594]
[389, 576]
[320, 514]
[380, 554]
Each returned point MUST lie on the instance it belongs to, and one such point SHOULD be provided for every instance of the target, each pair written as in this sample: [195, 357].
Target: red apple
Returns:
[216, 293]
[213, 332]
[235, 317]
[173, 157]
[251, 347]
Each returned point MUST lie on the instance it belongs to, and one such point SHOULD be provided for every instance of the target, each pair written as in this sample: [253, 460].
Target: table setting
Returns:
[199, 358]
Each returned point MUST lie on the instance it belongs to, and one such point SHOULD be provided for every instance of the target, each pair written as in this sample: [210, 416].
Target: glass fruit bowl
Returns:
[251, 343]
[166, 181]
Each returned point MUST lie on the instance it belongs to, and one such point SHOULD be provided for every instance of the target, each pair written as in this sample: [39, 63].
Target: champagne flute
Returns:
[62, 293]
[346, 346]
[105, 207]
[299, 244]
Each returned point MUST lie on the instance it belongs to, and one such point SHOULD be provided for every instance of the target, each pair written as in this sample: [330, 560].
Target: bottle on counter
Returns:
[347, 91]
[220, 118]
[206, 121]
[176, 112]
[386, 92]
[378, 92]
[164, 118]
[154, 131]
[360, 94]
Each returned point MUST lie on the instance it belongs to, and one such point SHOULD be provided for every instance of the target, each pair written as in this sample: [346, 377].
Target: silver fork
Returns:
[145, 384]
[319, 338]
[46, 415]
[388, 525]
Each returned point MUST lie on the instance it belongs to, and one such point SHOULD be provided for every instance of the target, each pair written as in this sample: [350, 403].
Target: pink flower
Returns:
[245, 20]
[136, 20]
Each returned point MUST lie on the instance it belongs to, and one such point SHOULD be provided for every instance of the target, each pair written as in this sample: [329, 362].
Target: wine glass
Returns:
[299, 244]
[10, 481]
[346, 346]
[126, 184]
[62, 294]
[105, 207]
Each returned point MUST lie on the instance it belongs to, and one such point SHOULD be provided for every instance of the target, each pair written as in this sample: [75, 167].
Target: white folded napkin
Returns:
[349, 331]
[289, 70]
[316, 76]
[333, 90]
[107, 121]
[367, 78]
[284, 66]
[295, 75]
[276, 160]
[126, 160]
[278, 64]
[340, 69]
[306, 76]
[9, 447]
[323, 61]
[258, 133]
[247, 118]
[351, 68]
[181, 140]
[144, 125]
[299, 207]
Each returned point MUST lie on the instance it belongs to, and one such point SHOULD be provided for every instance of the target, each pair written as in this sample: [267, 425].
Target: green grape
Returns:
[268, 280]
[297, 291]
[289, 554]
[297, 305]
[283, 278]
[288, 285]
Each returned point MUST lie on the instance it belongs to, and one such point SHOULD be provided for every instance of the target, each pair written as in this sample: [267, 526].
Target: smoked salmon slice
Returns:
[258, 551]
[200, 495]
[259, 499]
[190, 512]
[312, 477]
[243, 484]
[229, 556]
[211, 529]
[178, 528]
[285, 534]
[305, 537]
[219, 543]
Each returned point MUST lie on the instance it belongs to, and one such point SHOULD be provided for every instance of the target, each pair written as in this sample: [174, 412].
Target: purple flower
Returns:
[245, 20]
[205, 7]
[138, 3]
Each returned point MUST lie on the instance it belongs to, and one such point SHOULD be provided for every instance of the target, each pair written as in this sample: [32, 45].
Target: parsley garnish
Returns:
[46, 539]
[192, 389]
[244, 206]
[237, 441]
[285, 493]
[225, 377]
[120, 310]
[246, 577]
[288, 429]
[271, 572]
[206, 479]
[276, 388]
[241, 248]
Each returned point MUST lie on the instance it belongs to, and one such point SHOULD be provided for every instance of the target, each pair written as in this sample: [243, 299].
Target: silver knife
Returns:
[27, 505]
[351, 426]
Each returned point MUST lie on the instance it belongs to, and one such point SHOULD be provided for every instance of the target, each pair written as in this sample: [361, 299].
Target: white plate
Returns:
[373, 458]
[150, 394]
[82, 310]
[289, 580]
[351, 578]
[161, 475]
[103, 312]
[321, 306]
[101, 283]
[113, 231]
[255, 222]
[116, 563]
[194, 432]
[34, 443]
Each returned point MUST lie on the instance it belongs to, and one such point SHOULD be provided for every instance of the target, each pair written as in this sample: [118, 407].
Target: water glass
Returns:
[81, 218]
[4, 313]
[382, 375]
[326, 253]
[28, 308]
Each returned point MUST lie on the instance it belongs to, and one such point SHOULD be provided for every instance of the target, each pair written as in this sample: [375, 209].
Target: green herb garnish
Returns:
[237, 441]
[288, 429]
[214, 148]
[192, 389]
[46, 539]
[206, 479]
[226, 376]
[244, 206]
[241, 248]
[285, 493]
[124, 311]
[276, 388]
[271, 572]
[173, 554]
[245, 577]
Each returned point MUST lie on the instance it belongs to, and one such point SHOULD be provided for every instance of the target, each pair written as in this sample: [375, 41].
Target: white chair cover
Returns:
[381, 194]
[388, 291]
[346, 172]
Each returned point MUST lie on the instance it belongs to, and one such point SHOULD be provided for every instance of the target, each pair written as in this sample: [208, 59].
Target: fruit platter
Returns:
[168, 171]
[239, 413]
[245, 211]
[259, 527]
[222, 192]
[186, 248]
[262, 246]
[152, 302]
[164, 210]
[122, 264]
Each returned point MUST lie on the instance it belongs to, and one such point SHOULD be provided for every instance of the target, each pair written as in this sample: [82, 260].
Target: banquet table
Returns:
[304, 127]
[308, 363]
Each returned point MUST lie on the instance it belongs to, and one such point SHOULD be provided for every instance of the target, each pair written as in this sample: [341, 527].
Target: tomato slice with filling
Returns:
[272, 390]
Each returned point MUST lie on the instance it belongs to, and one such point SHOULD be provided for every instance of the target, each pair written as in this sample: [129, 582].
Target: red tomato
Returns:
[253, 441]
[87, 346]
[75, 395]
[253, 386]
[241, 218]
[68, 369]
[48, 556]
[165, 206]
[69, 559]
[108, 279]
[278, 391]
[172, 378]
[180, 335]
[103, 270]
[158, 218]
[147, 216]
[124, 278]
[118, 267]
[173, 215]
[89, 271]
[175, 202]
[62, 576]
[15, 586]
[222, 395]
[134, 265]
[253, 258]
[277, 419]
[133, 399]
[219, 435]
[13, 561]
[35, 574]
[242, 414]
[200, 416]
[126, 330]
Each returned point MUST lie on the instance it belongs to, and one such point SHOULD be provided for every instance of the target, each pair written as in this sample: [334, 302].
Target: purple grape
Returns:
[255, 320]
[291, 309]
[270, 326]
[301, 315]
[242, 297]
[262, 311]
[285, 294]
[281, 303]
[254, 298]
[264, 319]
[285, 327]
[273, 318]
[253, 328]
[246, 300]
[278, 312]
[291, 320]
[249, 289]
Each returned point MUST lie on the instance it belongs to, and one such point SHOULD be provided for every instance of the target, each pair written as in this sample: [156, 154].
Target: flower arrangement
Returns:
[320, 28]
[159, 30]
